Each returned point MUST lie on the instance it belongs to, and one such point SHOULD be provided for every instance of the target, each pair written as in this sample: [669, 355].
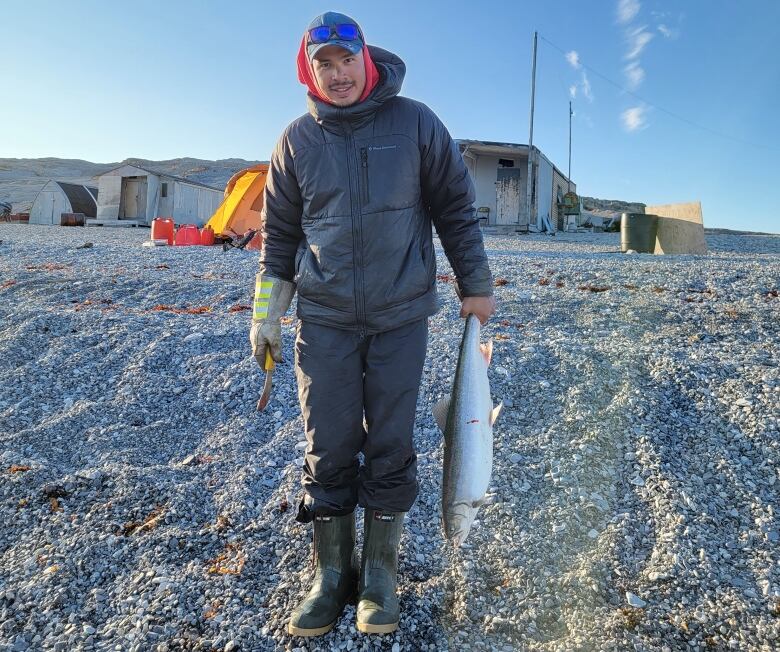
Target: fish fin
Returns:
[495, 412]
[440, 411]
[487, 351]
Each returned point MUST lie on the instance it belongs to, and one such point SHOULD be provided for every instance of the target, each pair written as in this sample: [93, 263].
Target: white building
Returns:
[130, 195]
[58, 197]
[500, 173]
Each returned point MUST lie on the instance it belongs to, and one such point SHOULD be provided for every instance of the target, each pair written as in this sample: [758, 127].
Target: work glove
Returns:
[272, 299]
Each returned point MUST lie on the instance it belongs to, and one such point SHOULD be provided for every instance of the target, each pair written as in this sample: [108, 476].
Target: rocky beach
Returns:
[146, 505]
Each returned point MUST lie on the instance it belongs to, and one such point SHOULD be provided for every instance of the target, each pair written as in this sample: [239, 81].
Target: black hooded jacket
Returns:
[349, 201]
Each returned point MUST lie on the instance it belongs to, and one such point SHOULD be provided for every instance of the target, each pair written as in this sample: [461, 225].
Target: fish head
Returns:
[457, 522]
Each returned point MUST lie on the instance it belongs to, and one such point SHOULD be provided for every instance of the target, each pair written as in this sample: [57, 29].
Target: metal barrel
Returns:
[72, 219]
[637, 232]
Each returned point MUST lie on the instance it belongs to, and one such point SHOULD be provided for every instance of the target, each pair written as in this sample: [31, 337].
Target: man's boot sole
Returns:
[315, 631]
[369, 628]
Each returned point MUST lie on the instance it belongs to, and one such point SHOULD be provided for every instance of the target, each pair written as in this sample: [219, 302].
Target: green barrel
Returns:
[637, 232]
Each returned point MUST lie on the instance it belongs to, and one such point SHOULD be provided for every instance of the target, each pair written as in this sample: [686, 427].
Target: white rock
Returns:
[634, 600]
[93, 475]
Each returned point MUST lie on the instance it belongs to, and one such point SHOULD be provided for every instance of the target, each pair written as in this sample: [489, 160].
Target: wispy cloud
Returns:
[637, 40]
[634, 74]
[627, 10]
[585, 86]
[668, 32]
[584, 118]
[664, 23]
[634, 118]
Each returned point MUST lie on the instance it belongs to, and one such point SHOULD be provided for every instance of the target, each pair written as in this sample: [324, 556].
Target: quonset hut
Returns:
[130, 196]
[58, 197]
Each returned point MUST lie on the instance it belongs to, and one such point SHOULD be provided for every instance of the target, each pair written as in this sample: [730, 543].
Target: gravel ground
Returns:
[145, 505]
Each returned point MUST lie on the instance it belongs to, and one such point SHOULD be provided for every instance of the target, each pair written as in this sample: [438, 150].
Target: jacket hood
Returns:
[391, 76]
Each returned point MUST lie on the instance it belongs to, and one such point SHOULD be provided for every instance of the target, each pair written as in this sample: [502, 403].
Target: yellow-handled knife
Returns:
[269, 371]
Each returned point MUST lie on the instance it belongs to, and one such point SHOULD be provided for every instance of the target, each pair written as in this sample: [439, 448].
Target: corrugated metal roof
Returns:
[158, 173]
[81, 198]
[497, 148]
[492, 143]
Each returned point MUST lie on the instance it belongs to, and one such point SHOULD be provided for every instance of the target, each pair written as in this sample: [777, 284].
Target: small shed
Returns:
[131, 195]
[58, 197]
[500, 175]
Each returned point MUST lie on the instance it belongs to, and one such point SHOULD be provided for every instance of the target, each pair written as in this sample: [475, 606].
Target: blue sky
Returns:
[104, 81]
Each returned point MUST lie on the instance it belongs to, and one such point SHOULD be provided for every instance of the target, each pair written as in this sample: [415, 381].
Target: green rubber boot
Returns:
[377, 610]
[335, 577]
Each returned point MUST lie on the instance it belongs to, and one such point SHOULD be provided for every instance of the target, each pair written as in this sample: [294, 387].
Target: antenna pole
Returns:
[570, 114]
[529, 179]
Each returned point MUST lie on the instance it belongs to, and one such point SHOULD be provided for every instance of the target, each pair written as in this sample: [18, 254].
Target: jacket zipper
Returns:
[364, 163]
[357, 230]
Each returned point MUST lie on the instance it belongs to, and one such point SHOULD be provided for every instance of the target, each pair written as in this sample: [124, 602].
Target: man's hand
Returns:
[482, 307]
[266, 334]
[272, 299]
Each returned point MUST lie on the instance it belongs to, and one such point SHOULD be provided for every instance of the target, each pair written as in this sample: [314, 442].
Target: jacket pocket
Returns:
[428, 258]
[300, 257]
[364, 170]
[412, 279]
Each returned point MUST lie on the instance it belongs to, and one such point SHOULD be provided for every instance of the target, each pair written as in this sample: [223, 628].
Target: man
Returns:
[352, 191]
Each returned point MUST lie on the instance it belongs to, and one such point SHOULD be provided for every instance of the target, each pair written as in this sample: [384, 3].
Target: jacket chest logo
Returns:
[381, 148]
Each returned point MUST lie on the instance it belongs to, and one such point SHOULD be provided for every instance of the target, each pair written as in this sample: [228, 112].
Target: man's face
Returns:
[340, 74]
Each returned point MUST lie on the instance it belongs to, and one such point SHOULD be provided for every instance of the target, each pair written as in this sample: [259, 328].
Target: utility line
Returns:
[656, 106]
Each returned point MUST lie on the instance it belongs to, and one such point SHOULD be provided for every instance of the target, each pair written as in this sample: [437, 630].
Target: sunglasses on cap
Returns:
[344, 31]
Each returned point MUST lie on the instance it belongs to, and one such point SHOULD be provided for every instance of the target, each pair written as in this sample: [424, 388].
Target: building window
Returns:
[164, 190]
[506, 163]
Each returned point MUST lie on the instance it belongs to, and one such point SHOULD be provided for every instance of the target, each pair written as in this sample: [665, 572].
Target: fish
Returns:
[466, 419]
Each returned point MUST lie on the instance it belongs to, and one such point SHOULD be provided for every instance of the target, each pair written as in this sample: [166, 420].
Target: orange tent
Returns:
[240, 210]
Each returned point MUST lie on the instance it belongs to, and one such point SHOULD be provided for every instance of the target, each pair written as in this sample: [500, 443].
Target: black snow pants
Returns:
[359, 395]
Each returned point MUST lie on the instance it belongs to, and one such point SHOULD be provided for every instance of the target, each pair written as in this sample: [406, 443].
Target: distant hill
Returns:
[22, 178]
[611, 206]
[721, 231]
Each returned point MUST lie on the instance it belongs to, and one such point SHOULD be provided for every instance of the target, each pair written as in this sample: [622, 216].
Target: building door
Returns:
[48, 209]
[133, 206]
[508, 195]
